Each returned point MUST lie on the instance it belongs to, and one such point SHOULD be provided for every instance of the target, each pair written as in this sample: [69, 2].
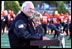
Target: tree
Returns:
[12, 5]
[37, 2]
[51, 2]
[61, 8]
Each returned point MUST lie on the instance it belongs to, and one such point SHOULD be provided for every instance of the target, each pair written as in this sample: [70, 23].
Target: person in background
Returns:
[37, 17]
[4, 20]
[45, 21]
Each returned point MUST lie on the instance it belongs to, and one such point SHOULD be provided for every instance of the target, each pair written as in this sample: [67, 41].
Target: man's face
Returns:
[9, 11]
[61, 13]
[29, 10]
[45, 14]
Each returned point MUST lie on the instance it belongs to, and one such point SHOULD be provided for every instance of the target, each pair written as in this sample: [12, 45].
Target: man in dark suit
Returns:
[23, 29]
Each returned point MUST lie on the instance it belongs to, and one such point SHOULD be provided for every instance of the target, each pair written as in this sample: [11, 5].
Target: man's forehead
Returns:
[30, 5]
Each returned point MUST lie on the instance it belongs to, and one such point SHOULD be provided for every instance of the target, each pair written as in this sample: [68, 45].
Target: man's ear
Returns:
[23, 8]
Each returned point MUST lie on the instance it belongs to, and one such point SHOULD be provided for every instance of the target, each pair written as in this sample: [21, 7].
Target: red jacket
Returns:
[45, 19]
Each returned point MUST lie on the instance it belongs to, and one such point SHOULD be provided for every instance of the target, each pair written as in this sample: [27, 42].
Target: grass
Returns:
[5, 41]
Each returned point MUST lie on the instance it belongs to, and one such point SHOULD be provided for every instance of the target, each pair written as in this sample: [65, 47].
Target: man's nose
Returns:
[32, 11]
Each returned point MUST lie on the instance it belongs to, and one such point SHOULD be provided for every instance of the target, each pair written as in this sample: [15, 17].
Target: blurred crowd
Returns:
[7, 17]
[61, 21]
[54, 22]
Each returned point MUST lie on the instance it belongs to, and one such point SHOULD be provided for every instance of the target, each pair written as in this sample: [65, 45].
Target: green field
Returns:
[5, 41]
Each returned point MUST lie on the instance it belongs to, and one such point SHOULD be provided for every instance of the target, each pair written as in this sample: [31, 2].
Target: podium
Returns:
[47, 43]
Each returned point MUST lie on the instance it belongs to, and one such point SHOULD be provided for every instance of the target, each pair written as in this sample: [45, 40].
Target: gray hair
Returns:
[37, 13]
[24, 4]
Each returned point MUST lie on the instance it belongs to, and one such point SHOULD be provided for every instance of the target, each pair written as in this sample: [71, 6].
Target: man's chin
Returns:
[29, 15]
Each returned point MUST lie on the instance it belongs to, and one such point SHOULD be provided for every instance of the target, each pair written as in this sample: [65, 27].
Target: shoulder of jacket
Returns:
[20, 24]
